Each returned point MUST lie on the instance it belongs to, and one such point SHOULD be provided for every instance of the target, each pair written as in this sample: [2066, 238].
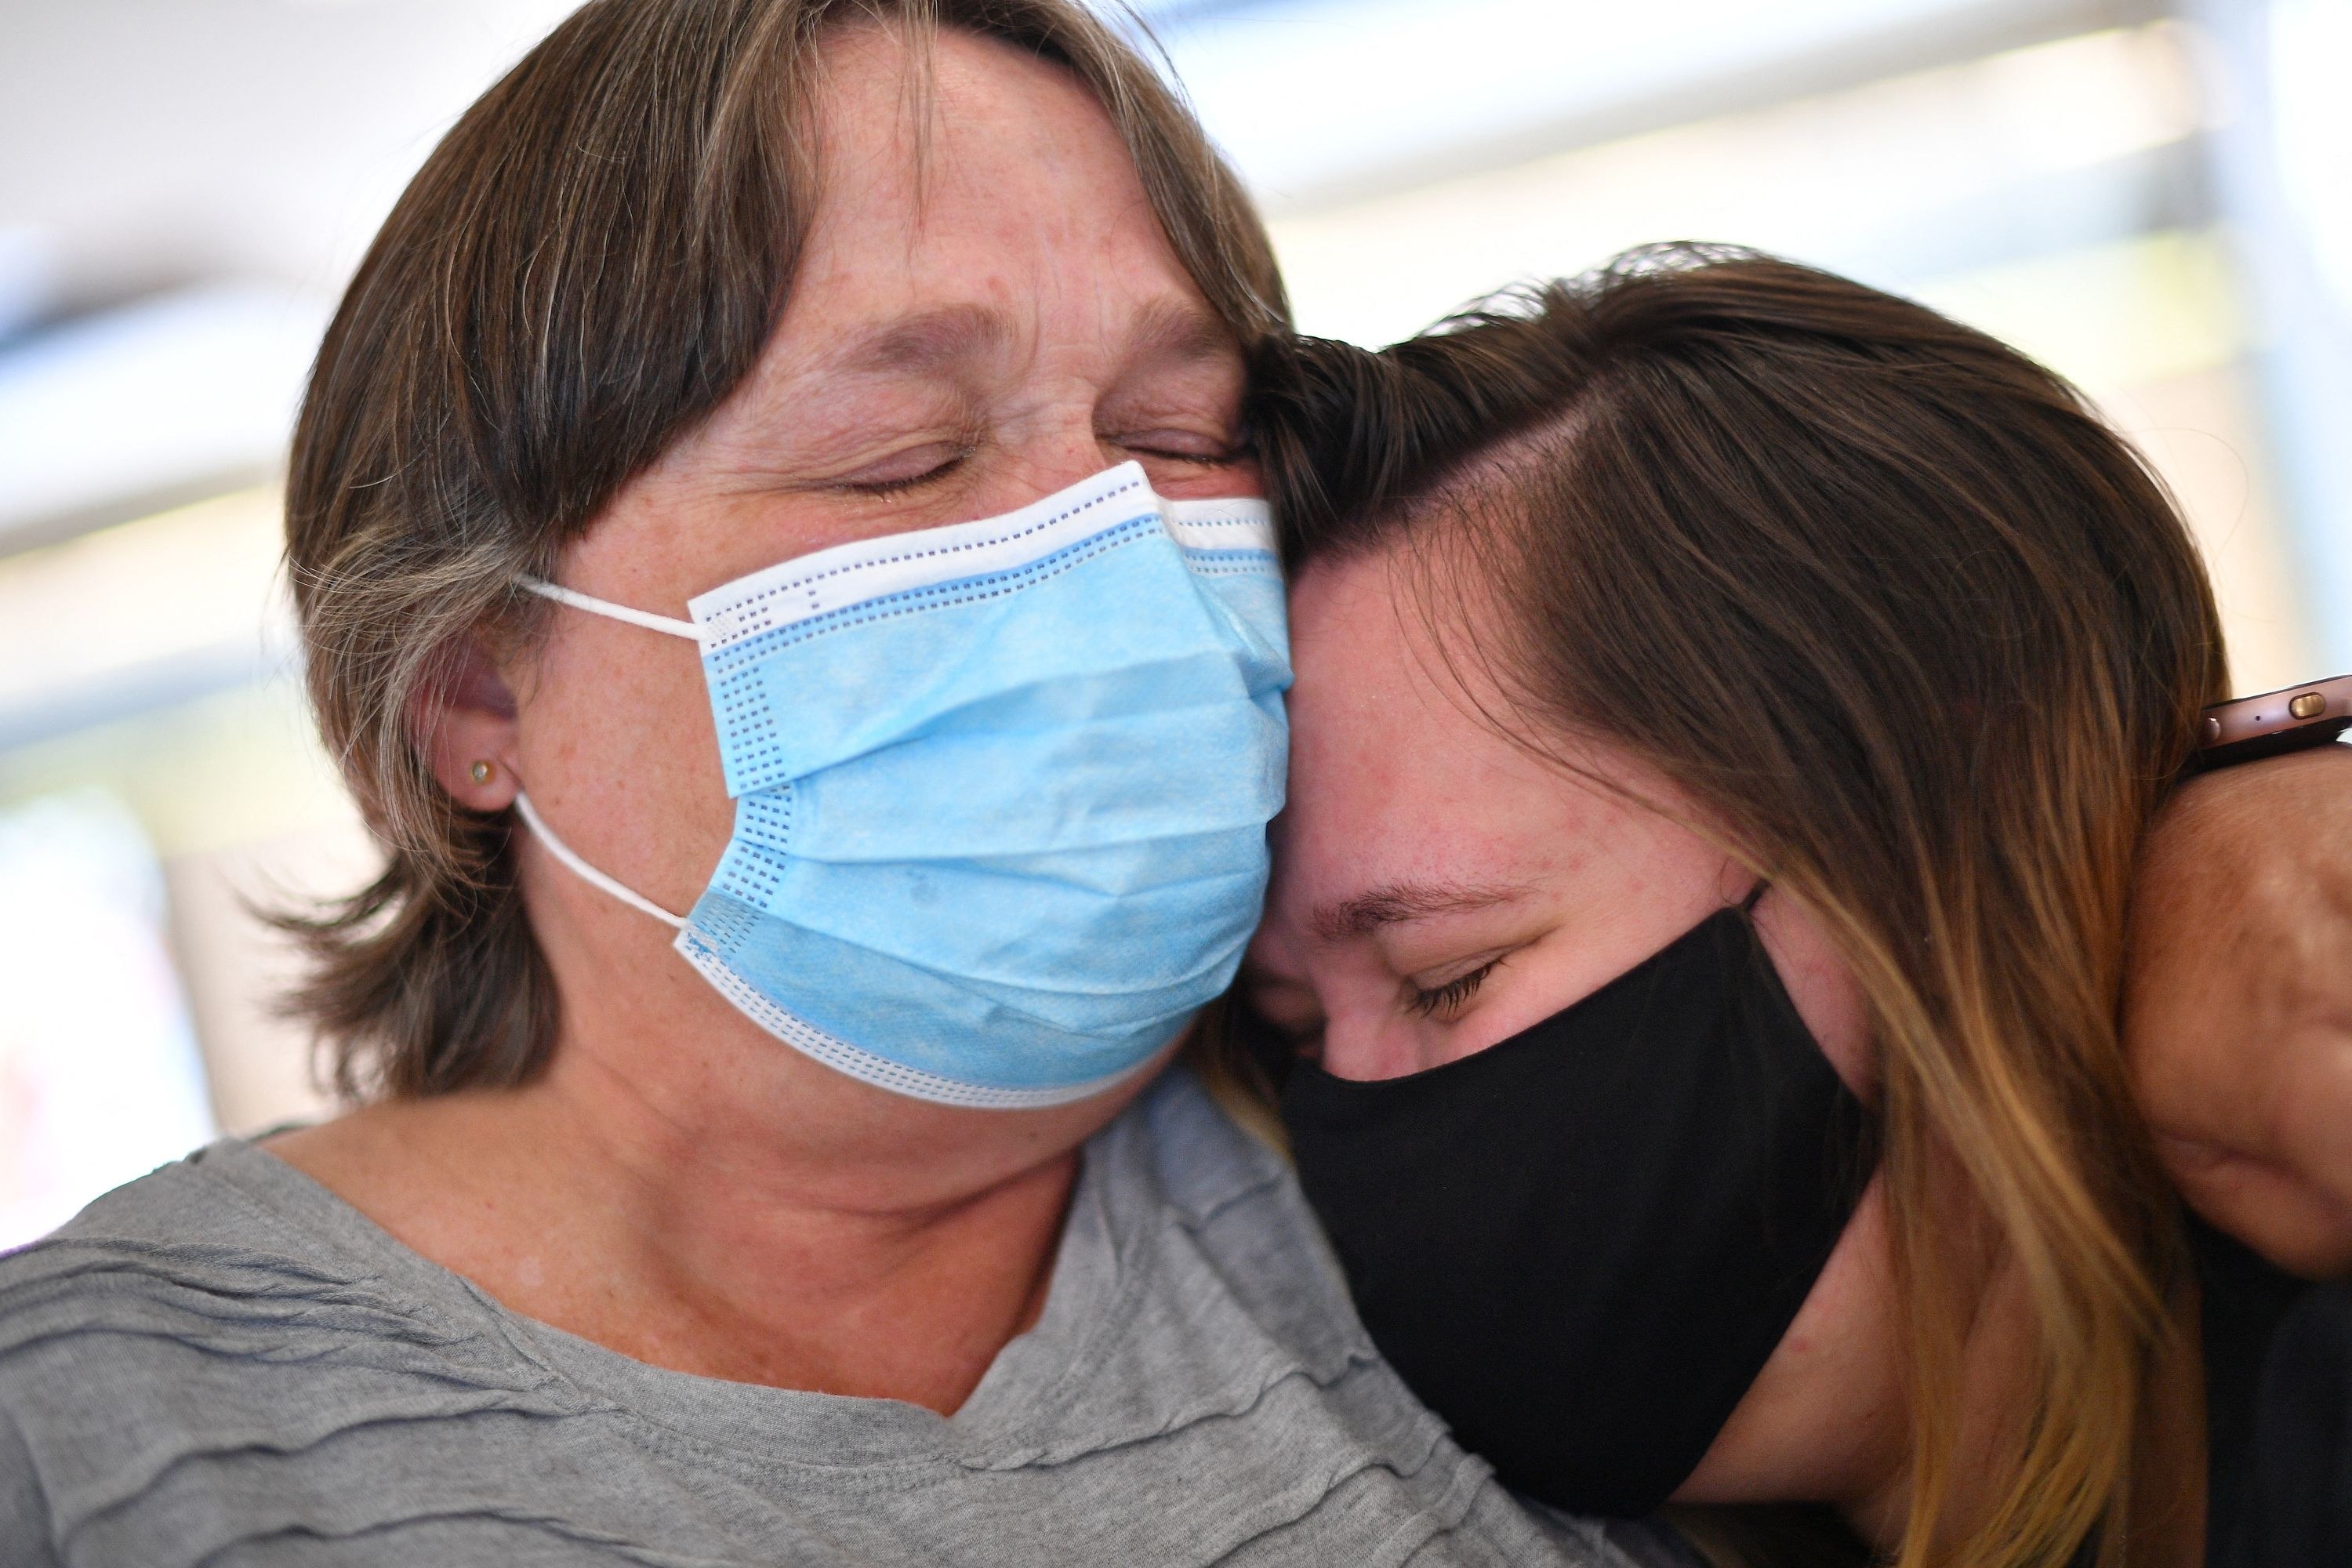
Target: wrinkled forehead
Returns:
[955, 170]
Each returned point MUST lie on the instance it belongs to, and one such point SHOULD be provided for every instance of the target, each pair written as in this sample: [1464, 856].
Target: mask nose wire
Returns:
[589, 874]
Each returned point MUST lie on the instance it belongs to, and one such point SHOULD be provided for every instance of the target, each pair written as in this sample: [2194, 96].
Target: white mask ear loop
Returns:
[589, 874]
[610, 611]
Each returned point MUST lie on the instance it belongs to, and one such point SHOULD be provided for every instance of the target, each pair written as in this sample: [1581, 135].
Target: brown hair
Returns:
[589, 263]
[1928, 642]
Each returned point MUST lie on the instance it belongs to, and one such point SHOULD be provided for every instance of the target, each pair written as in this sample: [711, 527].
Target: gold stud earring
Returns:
[482, 771]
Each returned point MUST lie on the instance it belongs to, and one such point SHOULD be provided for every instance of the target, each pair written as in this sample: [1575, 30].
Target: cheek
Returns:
[1184, 481]
[1823, 991]
[1825, 1419]
[620, 755]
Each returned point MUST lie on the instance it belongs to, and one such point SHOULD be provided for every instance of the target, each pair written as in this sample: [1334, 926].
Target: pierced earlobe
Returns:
[482, 771]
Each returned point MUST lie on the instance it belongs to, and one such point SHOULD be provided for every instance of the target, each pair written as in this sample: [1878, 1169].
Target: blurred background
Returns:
[2154, 197]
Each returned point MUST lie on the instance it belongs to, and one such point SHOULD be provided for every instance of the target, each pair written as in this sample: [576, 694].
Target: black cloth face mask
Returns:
[1580, 1245]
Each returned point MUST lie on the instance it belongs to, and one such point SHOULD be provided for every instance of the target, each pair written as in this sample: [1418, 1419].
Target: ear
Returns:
[465, 725]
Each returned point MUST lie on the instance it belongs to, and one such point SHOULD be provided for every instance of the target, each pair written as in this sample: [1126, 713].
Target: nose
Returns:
[1045, 455]
[1370, 1047]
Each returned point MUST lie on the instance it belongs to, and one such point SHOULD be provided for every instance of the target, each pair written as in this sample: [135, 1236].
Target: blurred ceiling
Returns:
[1321, 101]
[150, 143]
[184, 184]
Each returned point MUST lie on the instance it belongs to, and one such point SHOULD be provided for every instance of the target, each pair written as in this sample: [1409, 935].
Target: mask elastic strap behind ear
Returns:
[610, 611]
[1755, 896]
[589, 874]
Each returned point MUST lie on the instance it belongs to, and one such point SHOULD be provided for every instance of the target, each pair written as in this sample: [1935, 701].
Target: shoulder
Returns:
[1240, 1353]
[198, 1225]
[1191, 1278]
[228, 1249]
[181, 1222]
[156, 1347]
[1215, 1291]
[1181, 1145]
[109, 1321]
[1176, 1165]
[166, 1282]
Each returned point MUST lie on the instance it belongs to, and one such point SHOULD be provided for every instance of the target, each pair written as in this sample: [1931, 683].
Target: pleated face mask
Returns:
[1001, 789]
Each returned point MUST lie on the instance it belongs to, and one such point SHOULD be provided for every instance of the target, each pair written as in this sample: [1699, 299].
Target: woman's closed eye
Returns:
[934, 461]
[907, 470]
[1443, 998]
[1183, 446]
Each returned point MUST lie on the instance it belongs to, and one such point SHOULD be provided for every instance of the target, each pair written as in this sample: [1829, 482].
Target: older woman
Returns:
[783, 1253]
[788, 875]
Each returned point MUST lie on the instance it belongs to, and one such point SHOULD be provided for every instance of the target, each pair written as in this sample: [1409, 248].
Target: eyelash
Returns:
[1223, 460]
[912, 481]
[1445, 998]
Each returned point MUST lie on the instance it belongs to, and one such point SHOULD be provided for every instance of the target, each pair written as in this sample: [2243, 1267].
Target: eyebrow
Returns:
[1181, 330]
[922, 342]
[1174, 329]
[1401, 902]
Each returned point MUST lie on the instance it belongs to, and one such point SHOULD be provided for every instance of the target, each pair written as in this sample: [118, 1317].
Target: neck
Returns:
[713, 1202]
[2167, 1524]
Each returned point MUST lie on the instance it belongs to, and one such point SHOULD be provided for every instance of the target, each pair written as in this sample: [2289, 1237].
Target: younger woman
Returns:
[1728, 700]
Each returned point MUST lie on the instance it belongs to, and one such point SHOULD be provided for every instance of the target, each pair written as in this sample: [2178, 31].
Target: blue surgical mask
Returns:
[1001, 789]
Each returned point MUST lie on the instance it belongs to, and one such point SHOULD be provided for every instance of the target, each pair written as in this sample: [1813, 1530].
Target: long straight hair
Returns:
[1926, 641]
